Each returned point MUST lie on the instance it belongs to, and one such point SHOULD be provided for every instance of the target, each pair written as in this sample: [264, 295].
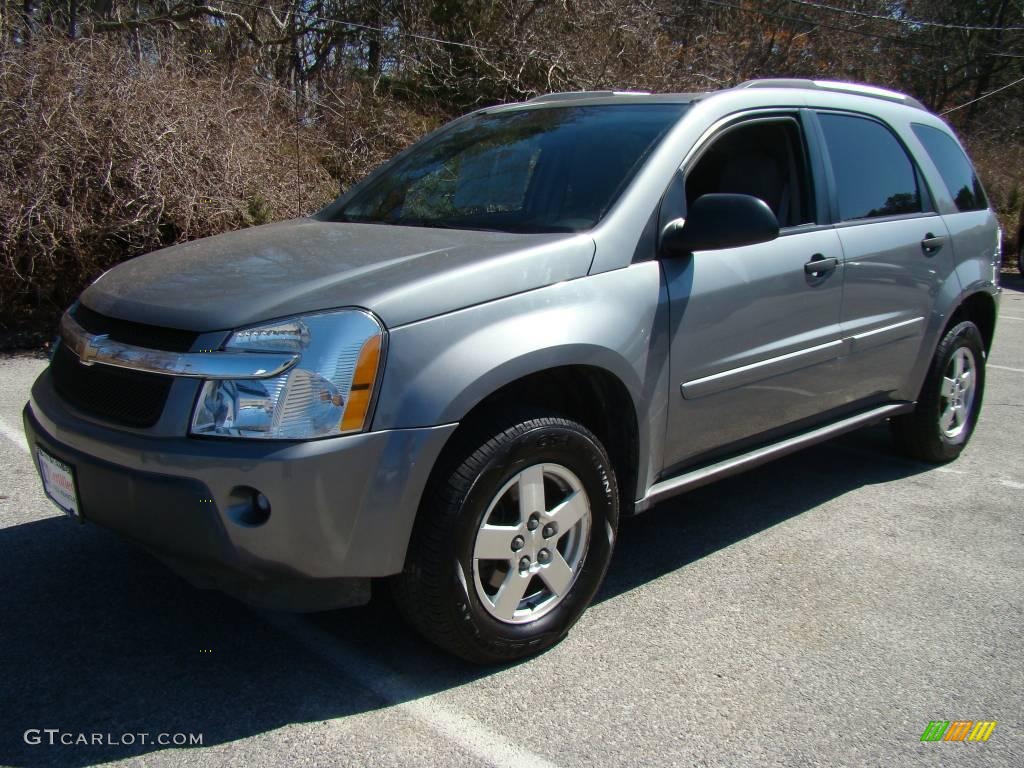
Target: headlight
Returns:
[328, 392]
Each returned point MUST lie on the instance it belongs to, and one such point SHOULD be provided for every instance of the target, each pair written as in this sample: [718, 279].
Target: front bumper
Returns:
[342, 509]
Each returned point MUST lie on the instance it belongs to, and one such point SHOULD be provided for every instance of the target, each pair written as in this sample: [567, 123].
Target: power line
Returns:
[472, 46]
[904, 21]
[743, 9]
[359, 25]
[815, 23]
[983, 96]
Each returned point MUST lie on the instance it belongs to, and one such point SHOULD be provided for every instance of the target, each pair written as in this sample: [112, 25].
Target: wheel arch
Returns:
[976, 303]
[980, 308]
[592, 395]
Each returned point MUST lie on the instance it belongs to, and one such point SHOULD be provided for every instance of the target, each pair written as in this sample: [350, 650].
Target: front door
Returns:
[755, 330]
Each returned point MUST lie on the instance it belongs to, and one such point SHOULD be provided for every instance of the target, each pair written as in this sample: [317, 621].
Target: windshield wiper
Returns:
[443, 224]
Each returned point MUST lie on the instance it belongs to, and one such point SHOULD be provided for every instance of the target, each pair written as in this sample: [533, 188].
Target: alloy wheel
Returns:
[957, 393]
[531, 543]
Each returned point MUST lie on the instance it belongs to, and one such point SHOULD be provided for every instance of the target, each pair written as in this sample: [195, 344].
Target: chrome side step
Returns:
[736, 464]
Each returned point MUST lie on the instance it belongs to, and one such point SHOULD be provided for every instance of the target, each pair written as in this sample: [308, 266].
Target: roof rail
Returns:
[573, 95]
[835, 86]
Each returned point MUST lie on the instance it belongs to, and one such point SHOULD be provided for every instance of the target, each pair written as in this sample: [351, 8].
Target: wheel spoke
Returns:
[960, 412]
[569, 512]
[946, 419]
[947, 387]
[494, 542]
[958, 364]
[510, 594]
[557, 574]
[531, 492]
[965, 379]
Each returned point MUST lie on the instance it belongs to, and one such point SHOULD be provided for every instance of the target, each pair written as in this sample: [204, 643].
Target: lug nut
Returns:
[533, 522]
[543, 556]
[517, 543]
[550, 530]
[524, 564]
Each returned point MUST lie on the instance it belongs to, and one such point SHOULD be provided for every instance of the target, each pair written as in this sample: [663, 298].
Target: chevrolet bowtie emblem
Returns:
[91, 348]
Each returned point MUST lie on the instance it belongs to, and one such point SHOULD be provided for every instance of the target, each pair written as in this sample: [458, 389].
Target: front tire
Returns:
[512, 540]
[950, 400]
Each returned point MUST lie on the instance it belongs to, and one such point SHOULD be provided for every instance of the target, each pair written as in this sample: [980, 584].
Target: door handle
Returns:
[819, 265]
[932, 243]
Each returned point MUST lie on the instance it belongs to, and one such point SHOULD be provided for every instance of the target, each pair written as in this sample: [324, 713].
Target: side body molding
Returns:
[794, 361]
[765, 369]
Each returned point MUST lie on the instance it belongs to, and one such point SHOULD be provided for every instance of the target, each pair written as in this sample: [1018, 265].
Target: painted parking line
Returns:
[14, 435]
[1005, 368]
[404, 694]
[1011, 317]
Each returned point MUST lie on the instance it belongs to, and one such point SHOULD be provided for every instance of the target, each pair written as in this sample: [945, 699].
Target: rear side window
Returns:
[874, 175]
[955, 168]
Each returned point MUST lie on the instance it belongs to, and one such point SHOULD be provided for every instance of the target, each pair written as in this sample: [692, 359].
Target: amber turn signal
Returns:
[359, 395]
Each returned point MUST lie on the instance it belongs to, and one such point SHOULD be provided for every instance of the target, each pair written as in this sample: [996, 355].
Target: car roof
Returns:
[593, 98]
[597, 98]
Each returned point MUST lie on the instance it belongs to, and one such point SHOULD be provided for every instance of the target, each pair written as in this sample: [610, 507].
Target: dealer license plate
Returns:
[59, 483]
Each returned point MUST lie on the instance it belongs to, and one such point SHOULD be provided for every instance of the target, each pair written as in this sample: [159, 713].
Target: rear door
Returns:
[962, 202]
[896, 252]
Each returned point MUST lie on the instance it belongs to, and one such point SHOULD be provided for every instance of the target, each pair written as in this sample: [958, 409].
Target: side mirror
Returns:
[720, 221]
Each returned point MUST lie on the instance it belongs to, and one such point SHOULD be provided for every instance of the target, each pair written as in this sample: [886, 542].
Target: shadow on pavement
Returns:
[1013, 281]
[98, 637]
[684, 529]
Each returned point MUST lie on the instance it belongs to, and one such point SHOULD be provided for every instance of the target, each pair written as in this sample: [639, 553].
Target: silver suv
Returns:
[542, 317]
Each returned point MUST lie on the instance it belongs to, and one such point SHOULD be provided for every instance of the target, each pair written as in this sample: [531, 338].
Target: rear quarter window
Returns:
[956, 170]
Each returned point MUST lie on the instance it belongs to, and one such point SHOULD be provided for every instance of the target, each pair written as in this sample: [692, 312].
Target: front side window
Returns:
[547, 169]
[874, 175]
[954, 167]
[763, 158]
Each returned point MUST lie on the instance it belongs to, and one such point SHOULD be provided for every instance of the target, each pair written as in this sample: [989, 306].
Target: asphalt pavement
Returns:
[818, 611]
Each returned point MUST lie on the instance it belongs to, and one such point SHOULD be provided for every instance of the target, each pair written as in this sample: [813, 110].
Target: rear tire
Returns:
[950, 401]
[512, 540]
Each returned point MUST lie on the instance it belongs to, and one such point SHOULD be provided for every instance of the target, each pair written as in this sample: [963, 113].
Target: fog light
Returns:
[248, 507]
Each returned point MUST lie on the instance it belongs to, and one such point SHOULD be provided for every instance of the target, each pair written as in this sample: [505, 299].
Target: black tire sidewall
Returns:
[965, 334]
[576, 449]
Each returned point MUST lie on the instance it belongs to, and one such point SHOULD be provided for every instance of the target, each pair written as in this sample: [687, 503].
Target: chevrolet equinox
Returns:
[542, 317]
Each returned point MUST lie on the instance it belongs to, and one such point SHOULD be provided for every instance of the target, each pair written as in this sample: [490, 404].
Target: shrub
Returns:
[104, 157]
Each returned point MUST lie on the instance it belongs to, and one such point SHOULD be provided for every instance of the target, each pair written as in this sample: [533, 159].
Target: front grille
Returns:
[118, 395]
[129, 398]
[138, 334]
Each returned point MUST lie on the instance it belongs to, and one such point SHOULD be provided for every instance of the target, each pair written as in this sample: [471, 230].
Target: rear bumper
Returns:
[342, 509]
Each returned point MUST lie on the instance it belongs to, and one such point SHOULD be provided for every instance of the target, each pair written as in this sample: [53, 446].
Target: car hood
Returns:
[402, 274]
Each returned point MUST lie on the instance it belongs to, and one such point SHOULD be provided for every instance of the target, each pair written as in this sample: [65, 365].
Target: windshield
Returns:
[552, 169]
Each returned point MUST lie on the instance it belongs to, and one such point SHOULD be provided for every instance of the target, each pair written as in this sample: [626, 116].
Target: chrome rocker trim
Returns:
[695, 478]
